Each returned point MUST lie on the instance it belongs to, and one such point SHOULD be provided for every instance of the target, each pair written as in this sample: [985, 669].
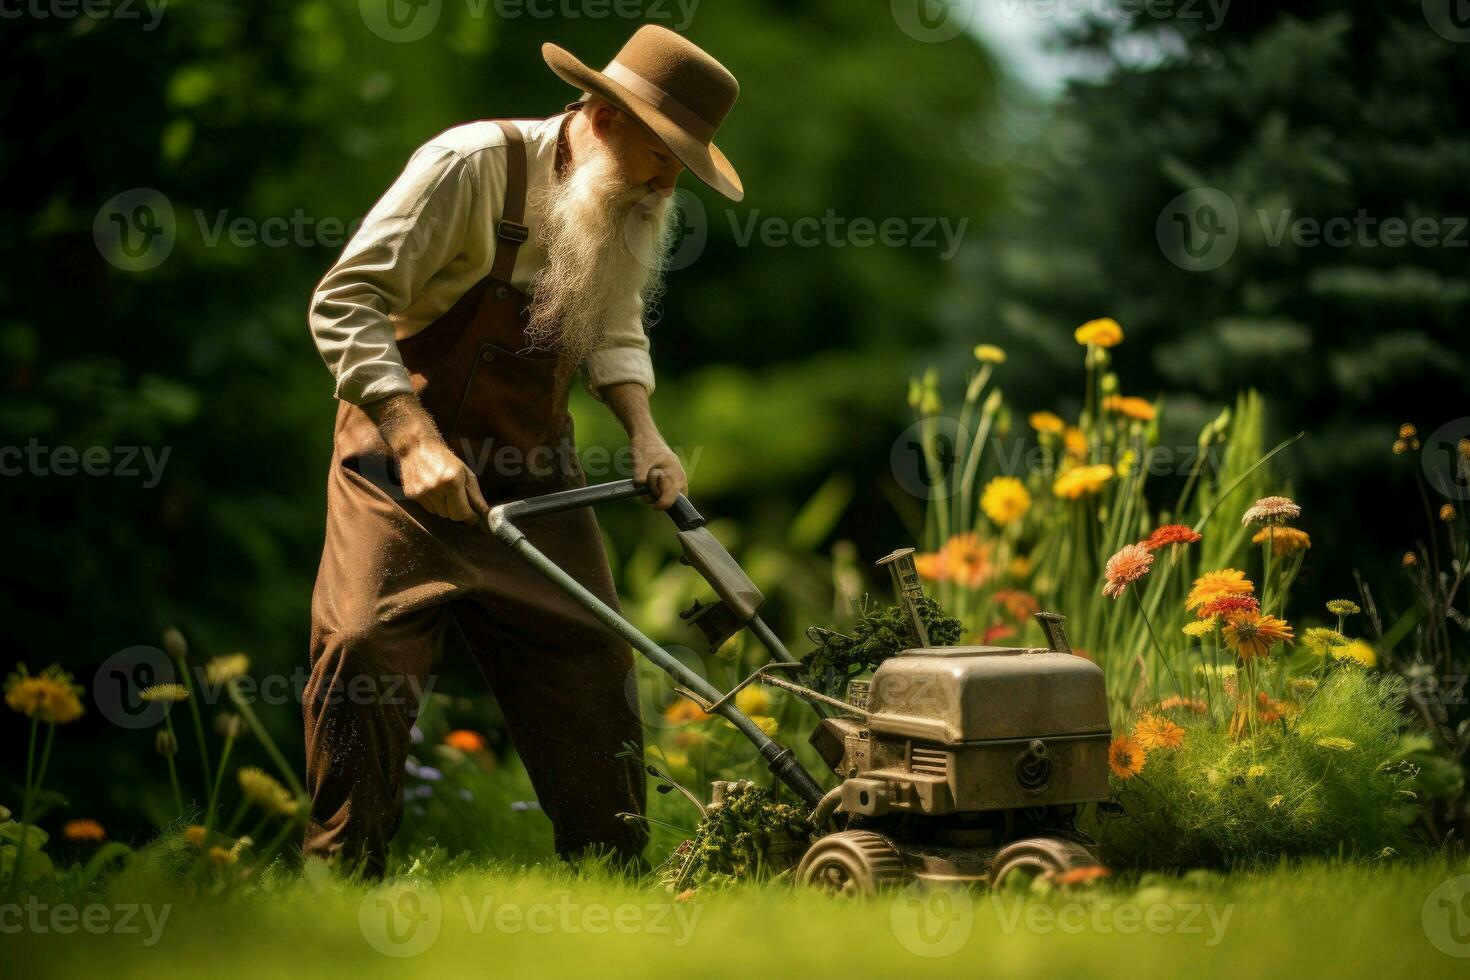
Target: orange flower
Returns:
[1019, 604]
[964, 559]
[465, 740]
[1153, 732]
[1084, 875]
[1213, 585]
[1081, 481]
[83, 830]
[1103, 332]
[1253, 635]
[1130, 564]
[1130, 407]
[1269, 710]
[1126, 757]
[1171, 534]
[1074, 442]
[684, 710]
[1176, 703]
[997, 631]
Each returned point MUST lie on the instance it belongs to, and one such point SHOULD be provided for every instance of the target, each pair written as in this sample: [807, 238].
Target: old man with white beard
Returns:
[507, 258]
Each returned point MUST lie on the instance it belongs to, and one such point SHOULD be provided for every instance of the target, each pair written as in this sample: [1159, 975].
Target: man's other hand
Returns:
[656, 465]
[431, 474]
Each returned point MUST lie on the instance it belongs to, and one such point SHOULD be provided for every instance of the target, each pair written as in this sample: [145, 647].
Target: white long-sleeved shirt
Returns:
[425, 243]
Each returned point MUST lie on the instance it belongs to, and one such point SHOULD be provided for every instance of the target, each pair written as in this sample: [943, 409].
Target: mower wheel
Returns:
[1036, 857]
[852, 862]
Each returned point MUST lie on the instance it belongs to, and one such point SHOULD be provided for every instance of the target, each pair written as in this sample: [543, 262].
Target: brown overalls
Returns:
[395, 578]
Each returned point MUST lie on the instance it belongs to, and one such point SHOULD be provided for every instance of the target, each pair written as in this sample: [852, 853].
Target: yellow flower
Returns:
[1320, 639]
[1100, 333]
[1447, 513]
[1005, 500]
[1408, 430]
[222, 670]
[1255, 772]
[1082, 481]
[1343, 607]
[1153, 732]
[1019, 567]
[50, 696]
[766, 724]
[260, 788]
[1199, 628]
[194, 835]
[752, 700]
[1284, 540]
[989, 354]
[1410, 559]
[164, 692]
[1130, 407]
[1047, 423]
[1216, 585]
[1126, 757]
[1357, 650]
[1074, 442]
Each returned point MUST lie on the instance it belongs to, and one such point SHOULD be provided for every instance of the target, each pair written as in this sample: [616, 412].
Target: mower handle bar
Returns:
[682, 512]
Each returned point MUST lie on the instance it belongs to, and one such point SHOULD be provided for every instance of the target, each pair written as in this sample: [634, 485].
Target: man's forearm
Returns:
[629, 402]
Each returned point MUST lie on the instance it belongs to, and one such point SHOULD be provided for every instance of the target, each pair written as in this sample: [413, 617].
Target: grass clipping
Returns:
[879, 633]
[746, 835]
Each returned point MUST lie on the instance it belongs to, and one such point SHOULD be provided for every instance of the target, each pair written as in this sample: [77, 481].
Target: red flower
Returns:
[1171, 534]
[1229, 605]
[998, 632]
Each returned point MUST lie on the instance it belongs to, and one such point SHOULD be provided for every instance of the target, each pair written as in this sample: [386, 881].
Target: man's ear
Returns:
[604, 116]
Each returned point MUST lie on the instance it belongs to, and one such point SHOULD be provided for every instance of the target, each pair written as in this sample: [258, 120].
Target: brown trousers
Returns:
[394, 579]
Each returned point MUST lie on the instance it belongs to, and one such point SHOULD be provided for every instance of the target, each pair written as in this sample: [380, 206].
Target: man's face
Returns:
[641, 158]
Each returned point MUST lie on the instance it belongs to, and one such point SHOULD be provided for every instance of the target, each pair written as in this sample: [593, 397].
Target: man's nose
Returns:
[664, 186]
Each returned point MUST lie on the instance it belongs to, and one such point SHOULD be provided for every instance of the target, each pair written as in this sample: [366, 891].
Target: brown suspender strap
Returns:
[511, 232]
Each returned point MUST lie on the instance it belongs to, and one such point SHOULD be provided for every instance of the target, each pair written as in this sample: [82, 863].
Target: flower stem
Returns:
[198, 722]
[214, 787]
[173, 775]
[1157, 648]
[266, 742]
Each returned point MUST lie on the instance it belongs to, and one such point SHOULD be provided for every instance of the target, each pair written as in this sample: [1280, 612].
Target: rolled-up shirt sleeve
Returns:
[410, 235]
[622, 358]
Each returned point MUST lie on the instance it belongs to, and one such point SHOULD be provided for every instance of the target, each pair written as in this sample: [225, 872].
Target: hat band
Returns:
[661, 100]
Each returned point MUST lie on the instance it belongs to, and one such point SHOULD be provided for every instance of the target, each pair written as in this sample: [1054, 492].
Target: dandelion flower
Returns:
[1200, 627]
[1153, 732]
[1447, 513]
[1130, 407]
[465, 740]
[1343, 607]
[1320, 639]
[1336, 743]
[50, 696]
[261, 788]
[1284, 540]
[221, 670]
[1171, 534]
[1130, 564]
[1359, 651]
[1252, 635]
[83, 830]
[1103, 332]
[1126, 757]
[1255, 772]
[1082, 481]
[164, 692]
[989, 354]
[1271, 510]
[1408, 430]
[1047, 423]
[1214, 585]
[1005, 500]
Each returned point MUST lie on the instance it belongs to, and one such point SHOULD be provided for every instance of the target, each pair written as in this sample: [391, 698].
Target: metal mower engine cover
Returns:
[969, 729]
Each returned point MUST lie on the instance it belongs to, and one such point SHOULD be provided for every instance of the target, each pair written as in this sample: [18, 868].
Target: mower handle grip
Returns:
[682, 512]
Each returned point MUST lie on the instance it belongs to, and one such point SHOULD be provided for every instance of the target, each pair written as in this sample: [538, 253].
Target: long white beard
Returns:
[607, 246]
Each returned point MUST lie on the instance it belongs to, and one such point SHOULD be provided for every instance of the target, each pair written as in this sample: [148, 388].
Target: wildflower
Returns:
[194, 835]
[83, 830]
[1019, 567]
[50, 696]
[1215, 585]
[1130, 407]
[1284, 540]
[1103, 332]
[1400, 446]
[1176, 703]
[989, 354]
[465, 740]
[1084, 875]
[964, 559]
[1336, 743]
[1074, 441]
[1268, 710]
[997, 632]
[1255, 772]
[753, 700]
[1019, 604]
[164, 692]
[261, 788]
[1200, 627]
[683, 711]
[1005, 500]
[1357, 650]
[223, 669]
[1047, 423]
[1464, 446]
[1408, 430]
[1410, 559]
[1081, 481]
[1126, 757]
[1320, 639]
[1271, 510]
[165, 743]
[1130, 564]
[1343, 607]
[1171, 534]
[1447, 513]
[1253, 635]
[174, 644]
[1153, 732]
[766, 724]
[1229, 605]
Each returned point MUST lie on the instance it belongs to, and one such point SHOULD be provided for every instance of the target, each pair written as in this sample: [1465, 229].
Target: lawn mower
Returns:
[955, 765]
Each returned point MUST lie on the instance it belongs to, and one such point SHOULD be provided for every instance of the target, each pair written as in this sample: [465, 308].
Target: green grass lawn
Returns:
[543, 920]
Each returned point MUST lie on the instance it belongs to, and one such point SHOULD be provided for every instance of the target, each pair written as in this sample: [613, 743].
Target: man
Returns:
[506, 257]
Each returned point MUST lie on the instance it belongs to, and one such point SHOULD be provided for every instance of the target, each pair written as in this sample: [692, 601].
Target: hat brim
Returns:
[704, 160]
